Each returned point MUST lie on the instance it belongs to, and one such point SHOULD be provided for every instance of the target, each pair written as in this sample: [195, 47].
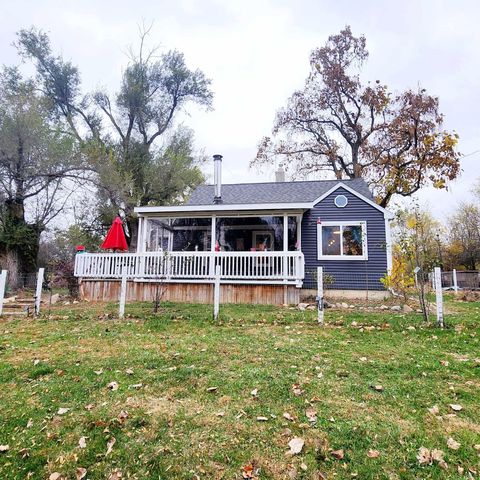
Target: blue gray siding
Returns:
[345, 274]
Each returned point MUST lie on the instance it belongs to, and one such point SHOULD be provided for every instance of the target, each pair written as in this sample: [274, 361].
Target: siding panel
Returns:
[345, 274]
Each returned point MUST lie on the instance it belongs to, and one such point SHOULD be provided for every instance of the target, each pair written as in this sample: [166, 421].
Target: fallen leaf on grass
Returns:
[373, 454]
[24, 452]
[82, 442]
[4, 448]
[122, 416]
[129, 371]
[296, 445]
[248, 471]
[288, 416]
[30, 423]
[115, 475]
[62, 411]
[377, 388]
[424, 456]
[434, 410]
[311, 415]
[55, 476]
[437, 456]
[89, 407]
[297, 391]
[254, 392]
[453, 444]
[113, 386]
[81, 473]
[98, 372]
[110, 445]
[212, 389]
[455, 407]
[136, 386]
[427, 457]
[338, 454]
[262, 419]
[477, 447]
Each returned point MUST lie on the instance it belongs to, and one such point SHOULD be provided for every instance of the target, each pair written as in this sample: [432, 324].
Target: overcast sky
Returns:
[256, 53]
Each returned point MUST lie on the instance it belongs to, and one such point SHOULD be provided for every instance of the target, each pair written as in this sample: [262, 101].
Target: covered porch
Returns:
[180, 245]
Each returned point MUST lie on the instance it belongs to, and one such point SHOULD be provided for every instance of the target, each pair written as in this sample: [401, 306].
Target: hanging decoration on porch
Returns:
[115, 239]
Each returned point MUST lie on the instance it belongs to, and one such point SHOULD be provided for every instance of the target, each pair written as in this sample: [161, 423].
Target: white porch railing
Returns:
[236, 267]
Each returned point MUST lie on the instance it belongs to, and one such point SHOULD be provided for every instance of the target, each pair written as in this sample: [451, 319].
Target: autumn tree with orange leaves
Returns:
[341, 125]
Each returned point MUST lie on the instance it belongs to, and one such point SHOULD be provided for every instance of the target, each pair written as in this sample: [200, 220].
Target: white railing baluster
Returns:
[194, 266]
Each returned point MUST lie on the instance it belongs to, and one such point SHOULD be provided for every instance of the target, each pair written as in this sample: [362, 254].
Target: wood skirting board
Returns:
[109, 291]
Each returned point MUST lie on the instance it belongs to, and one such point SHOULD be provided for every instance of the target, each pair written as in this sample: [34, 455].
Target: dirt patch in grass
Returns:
[454, 424]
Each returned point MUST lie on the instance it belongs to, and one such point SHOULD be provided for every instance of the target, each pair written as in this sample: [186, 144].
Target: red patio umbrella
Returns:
[115, 239]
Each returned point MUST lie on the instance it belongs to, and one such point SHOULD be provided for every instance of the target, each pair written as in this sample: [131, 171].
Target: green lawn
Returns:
[184, 407]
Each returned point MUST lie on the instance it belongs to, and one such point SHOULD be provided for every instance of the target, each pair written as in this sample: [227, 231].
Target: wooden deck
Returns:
[109, 290]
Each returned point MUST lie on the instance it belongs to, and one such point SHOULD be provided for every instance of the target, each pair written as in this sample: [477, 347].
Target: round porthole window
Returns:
[341, 201]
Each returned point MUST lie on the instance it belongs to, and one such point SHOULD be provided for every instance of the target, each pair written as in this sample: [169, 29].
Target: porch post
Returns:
[299, 232]
[140, 235]
[285, 247]
[212, 246]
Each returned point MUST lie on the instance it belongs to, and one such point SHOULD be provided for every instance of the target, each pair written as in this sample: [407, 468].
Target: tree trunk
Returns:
[132, 225]
[10, 262]
[20, 247]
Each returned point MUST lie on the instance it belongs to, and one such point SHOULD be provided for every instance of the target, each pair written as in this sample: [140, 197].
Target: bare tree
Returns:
[129, 138]
[339, 124]
[464, 236]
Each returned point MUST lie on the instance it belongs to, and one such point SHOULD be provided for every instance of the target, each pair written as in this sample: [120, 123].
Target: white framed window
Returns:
[341, 201]
[342, 241]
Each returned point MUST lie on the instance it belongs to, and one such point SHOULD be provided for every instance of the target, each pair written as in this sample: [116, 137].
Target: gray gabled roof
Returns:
[273, 192]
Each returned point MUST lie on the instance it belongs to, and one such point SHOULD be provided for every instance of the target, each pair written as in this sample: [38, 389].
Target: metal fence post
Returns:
[123, 294]
[320, 304]
[437, 275]
[3, 283]
[38, 291]
[455, 283]
[216, 293]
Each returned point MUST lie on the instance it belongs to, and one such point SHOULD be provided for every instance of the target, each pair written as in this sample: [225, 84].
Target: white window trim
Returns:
[335, 201]
[320, 255]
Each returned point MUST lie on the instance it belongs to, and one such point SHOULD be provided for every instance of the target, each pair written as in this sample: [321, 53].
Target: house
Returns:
[267, 239]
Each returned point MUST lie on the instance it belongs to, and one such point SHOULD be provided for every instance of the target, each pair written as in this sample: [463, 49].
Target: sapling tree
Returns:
[415, 244]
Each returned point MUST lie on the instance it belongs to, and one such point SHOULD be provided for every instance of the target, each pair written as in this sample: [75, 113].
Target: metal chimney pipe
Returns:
[217, 176]
[280, 175]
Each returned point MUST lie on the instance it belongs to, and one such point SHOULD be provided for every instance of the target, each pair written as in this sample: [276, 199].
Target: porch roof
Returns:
[225, 209]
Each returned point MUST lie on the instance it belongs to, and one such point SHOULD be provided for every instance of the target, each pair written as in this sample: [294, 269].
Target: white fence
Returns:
[244, 267]
[461, 279]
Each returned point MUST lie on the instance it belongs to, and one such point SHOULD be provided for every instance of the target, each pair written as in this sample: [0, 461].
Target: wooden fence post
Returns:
[320, 304]
[437, 275]
[38, 291]
[3, 283]
[455, 283]
[123, 294]
[216, 293]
